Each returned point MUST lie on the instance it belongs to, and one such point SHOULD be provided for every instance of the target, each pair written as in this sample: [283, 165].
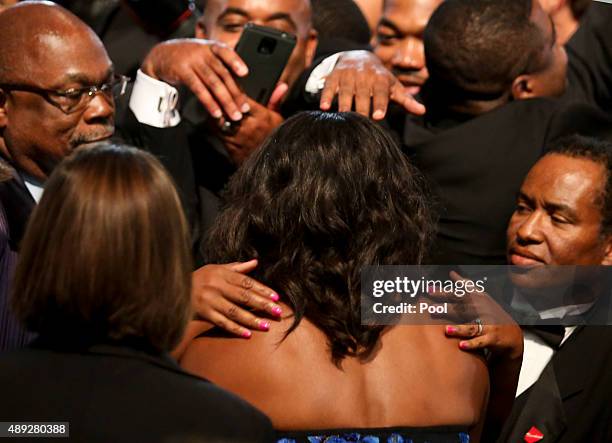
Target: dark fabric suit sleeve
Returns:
[171, 147]
[590, 59]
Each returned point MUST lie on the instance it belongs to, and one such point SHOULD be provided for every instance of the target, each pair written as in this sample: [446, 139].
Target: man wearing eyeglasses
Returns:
[57, 90]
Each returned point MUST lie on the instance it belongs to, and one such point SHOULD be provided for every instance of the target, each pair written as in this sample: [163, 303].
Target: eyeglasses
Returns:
[74, 100]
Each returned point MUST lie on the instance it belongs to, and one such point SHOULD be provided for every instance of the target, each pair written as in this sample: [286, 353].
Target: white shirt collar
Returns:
[519, 302]
[35, 189]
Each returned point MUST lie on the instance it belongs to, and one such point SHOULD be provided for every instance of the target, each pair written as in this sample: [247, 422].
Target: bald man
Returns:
[56, 84]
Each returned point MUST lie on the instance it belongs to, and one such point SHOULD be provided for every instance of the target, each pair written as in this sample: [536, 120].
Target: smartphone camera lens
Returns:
[266, 46]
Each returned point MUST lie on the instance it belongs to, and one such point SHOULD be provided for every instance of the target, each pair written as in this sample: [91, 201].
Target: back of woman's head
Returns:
[326, 195]
[105, 253]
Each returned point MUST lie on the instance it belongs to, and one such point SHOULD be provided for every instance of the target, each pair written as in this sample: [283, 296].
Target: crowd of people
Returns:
[182, 263]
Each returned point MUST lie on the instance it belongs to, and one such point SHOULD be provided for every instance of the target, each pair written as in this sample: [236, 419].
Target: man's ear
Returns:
[200, 30]
[311, 46]
[522, 87]
[607, 260]
[3, 111]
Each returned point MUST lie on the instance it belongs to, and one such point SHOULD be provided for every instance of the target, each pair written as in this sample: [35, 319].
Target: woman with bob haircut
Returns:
[325, 196]
[104, 278]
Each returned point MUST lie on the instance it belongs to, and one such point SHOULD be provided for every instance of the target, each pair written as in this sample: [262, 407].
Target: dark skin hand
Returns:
[360, 77]
[219, 293]
[503, 339]
[224, 296]
[248, 135]
[206, 67]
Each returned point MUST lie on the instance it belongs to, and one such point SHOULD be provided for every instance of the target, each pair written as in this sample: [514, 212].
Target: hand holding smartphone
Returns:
[266, 52]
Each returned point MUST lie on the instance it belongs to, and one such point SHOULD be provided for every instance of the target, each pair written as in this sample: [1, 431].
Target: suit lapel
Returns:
[542, 411]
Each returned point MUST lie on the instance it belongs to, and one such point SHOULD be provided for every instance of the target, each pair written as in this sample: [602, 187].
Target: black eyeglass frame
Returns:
[54, 96]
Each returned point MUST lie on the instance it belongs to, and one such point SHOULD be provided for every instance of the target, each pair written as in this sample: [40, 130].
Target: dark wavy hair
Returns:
[325, 196]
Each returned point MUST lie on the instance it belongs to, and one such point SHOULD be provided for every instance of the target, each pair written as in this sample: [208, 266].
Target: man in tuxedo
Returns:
[57, 92]
[487, 120]
[563, 217]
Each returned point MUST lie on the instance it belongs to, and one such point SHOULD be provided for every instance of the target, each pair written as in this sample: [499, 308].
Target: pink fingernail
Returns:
[246, 334]
[274, 296]
[277, 311]
[264, 325]
[451, 329]
[463, 345]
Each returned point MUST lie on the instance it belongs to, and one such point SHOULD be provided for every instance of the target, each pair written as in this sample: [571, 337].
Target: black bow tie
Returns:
[552, 335]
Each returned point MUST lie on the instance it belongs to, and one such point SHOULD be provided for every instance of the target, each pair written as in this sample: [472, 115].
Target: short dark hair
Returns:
[105, 254]
[326, 195]
[340, 19]
[598, 151]
[478, 47]
[579, 7]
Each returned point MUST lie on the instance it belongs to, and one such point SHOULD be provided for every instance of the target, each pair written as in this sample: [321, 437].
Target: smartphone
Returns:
[266, 52]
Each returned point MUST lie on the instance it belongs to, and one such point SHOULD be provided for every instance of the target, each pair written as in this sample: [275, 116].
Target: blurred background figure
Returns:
[372, 11]
[340, 19]
[566, 15]
[104, 279]
[398, 40]
[130, 28]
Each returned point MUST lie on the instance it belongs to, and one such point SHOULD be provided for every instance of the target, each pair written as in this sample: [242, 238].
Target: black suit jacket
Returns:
[122, 393]
[16, 204]
[570, 403]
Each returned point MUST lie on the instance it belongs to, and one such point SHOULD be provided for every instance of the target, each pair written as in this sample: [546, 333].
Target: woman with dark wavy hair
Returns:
[327, 195]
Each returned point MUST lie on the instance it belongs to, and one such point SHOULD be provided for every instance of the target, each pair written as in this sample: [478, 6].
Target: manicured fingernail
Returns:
[274, 296]
[378, 114]
[277, 311]
[217, 114]
[236, 116]
[246, 334]
[325, 105]
[463, 345]
[245, 108]
[451, 329]
[264, 325]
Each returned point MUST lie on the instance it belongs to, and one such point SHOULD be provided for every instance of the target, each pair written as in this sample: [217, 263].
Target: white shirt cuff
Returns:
[316, 81]
[153, 102]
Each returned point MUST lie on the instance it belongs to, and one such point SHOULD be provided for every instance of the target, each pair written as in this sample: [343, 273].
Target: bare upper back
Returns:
[416, 377]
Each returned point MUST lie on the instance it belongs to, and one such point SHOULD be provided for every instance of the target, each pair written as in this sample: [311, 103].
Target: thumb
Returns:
[400, 96]
[277, 96]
